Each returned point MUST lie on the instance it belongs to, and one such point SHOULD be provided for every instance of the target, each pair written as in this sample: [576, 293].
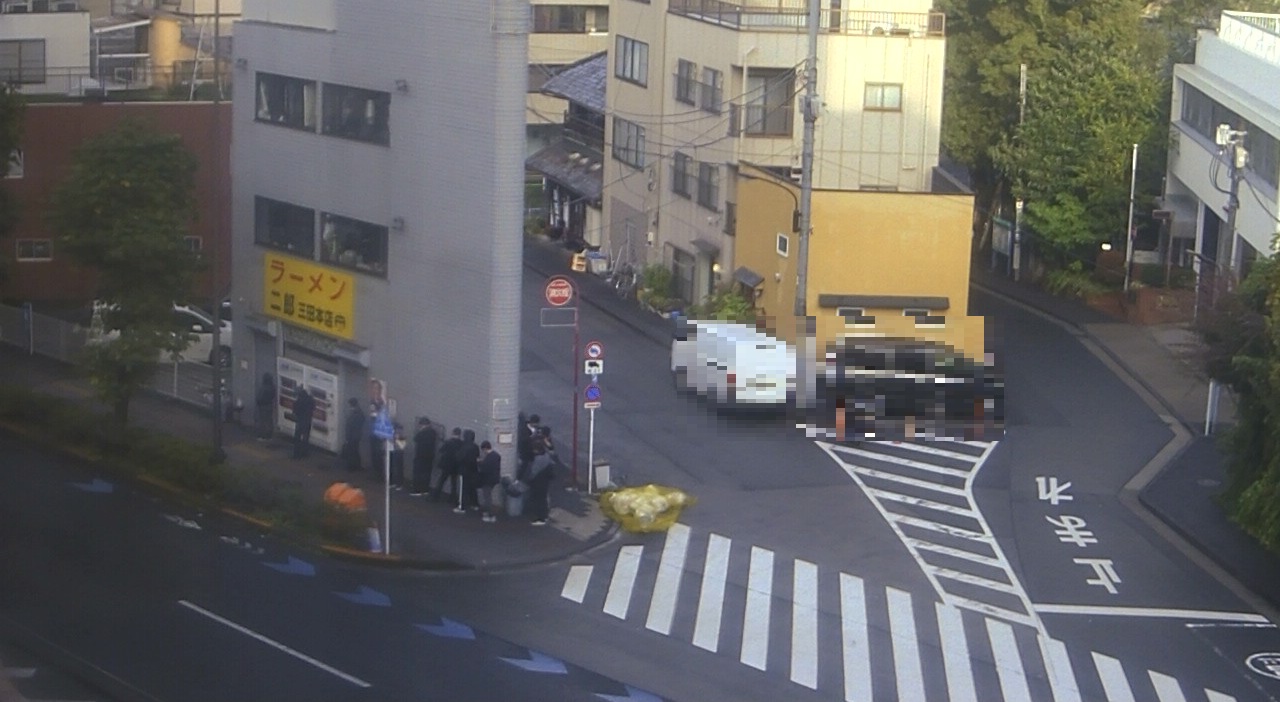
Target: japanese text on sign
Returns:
[309, 295]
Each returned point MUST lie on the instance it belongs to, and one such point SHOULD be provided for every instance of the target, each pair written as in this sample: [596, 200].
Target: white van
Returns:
[732, 364]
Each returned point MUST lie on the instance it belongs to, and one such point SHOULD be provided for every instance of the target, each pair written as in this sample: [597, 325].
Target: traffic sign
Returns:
[591, 405]
[382, 427]
[592, 393]
[593, 367]
[595, 349]
[559, 291]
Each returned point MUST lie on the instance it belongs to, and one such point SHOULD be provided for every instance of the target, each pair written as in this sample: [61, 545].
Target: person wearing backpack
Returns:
[448, 463]
[540, 473]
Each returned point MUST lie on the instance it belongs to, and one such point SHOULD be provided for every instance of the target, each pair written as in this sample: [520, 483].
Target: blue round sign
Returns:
[592, 393]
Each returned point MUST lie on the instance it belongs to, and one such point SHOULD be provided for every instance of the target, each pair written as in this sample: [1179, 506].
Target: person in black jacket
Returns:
[265, 405]
[527, 433]
[424, 457]
[540, 473]
[352, 432]
[469, 470]
[304, 409]
[489, 476]
[448, 465]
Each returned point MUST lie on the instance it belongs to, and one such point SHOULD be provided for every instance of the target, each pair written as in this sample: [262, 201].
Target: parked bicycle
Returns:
[625, 280]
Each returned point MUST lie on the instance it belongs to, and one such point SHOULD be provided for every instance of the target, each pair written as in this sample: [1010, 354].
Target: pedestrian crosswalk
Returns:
[840, 635]
[924, 490]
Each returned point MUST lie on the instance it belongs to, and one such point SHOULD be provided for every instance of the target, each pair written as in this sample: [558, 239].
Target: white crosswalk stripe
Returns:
[893, 644]
[924, 490]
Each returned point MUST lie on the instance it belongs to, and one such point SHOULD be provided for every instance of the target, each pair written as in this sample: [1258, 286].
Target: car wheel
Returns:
[680, 378]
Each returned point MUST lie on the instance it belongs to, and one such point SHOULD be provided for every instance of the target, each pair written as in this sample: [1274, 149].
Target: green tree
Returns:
[12, 107]
[123, 212]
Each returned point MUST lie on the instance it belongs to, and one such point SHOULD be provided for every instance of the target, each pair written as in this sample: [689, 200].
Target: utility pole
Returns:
[214, 258]
[805, 326]
[1230, 142]
[1015, 257]
[1128, 231]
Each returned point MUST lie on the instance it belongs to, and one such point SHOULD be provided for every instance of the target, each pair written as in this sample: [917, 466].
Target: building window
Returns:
[712, 92]
[14, 167]
[784, 244]
[560, 19]
[1202, 114]
[540, 73]
[356, 113]
[631, 60]
[353, 244]
[289, 102]
[731, 218]
[22, 61]
[35, 250]
[686, 83]
[769, 105]
[709, 186]
[882, 97]
[628, 142]
[280, 225]
[680, 174]
[194, 243]
[682, 265]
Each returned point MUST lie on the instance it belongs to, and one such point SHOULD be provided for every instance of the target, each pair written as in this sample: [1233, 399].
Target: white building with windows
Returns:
[39, 42]
[696, 86]
[563, 32]
[1232, 82]
[377, 154]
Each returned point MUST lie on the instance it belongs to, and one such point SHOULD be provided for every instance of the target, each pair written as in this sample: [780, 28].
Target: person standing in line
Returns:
[398, 444]
[424, 457]
[469, 471]
[265, 404]
[352, 432]
[524, 442]
[304, 409]
[540, 474]
[448, 466]
[490, 476]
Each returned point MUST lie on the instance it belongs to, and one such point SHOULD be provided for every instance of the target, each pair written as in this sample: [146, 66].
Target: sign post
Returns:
[383, 429]
[559, 293]
[593, 366]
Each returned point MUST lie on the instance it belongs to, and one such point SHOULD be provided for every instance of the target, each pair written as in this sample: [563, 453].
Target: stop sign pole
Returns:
[560, 291]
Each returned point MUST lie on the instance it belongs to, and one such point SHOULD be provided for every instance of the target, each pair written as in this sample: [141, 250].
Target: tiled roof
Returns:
[573, 166]
[582, 82]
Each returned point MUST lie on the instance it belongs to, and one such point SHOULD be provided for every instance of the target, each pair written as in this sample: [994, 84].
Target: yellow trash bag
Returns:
[647, 508]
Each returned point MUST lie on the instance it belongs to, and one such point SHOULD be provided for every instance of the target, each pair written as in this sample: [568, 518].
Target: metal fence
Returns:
[62, 340]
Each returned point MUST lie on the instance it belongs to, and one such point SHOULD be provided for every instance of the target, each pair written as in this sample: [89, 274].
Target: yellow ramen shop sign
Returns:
[312, 296]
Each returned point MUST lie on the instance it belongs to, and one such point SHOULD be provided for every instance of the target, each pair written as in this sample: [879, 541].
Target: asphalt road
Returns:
[175, 606]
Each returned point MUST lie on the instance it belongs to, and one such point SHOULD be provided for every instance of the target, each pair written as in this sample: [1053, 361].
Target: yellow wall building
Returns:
[880, 263]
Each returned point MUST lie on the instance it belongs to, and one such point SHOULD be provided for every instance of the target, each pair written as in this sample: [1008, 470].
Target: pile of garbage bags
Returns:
[647, 508]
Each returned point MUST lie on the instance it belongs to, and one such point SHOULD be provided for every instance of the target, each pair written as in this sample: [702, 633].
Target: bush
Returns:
[1072, 281]
[657, 287]
[725, 304]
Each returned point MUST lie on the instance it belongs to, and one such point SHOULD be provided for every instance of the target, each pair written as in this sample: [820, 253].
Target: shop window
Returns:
[34, 250]
[286, 227]
[288, 102]
[356, 113]
[354, 244]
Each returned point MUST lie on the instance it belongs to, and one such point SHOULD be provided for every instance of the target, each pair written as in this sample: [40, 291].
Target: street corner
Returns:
[393, 561]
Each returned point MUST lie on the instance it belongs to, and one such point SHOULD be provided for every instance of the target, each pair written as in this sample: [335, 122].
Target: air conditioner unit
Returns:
[15, 7]
[65, 6]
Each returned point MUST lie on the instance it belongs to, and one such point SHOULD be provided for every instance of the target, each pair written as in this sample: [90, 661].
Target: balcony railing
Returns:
[793, 15]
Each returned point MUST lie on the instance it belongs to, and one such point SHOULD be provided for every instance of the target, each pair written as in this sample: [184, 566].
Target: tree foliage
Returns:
[123, 212]
[12, 107]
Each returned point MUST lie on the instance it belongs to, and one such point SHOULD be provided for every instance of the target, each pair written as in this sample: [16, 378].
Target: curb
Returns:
[71, 664]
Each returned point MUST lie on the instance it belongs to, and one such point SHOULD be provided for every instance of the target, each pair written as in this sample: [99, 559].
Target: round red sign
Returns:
[559, 291]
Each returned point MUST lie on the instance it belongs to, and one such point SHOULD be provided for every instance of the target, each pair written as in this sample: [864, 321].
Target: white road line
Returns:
[706, 628]
[662, 607]
[1153, 612]
[1167, 688]
[906, 652]
[976, 580]
[1062, 679]
[755, 617]
[914, 482]
[934, 451]
[618, 601]
[1004, 648]
[955, 655]
[1215, 696]
[804, 625]
[19, 673]
[942, 528]
[907, 462]
[992, 610]
[854, 640]
[274, 644]
[922, 502]
[575, 585]
[1114, 684]
[954, 552]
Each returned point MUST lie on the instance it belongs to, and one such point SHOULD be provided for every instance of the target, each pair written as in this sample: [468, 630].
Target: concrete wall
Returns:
[442, 328]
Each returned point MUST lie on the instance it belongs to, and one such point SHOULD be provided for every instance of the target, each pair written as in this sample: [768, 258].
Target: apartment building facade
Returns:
[696, 86]
[378, 157]
[561, 34]
[1232, 82]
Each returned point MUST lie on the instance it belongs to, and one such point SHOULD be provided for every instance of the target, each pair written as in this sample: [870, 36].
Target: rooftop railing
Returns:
[791, 16]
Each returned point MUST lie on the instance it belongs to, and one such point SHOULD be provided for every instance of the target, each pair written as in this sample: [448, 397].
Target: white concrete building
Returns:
[44, 49]
[377, 155]
[696, 86]
[1233, 82]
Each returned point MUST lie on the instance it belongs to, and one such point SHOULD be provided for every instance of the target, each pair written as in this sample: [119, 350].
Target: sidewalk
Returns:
[424, 534]
[1182, 492]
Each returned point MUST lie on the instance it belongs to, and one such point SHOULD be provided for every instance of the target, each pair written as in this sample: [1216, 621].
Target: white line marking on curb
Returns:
[275, 644]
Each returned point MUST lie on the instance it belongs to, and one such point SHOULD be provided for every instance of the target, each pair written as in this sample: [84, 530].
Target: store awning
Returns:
[747, 277]
[706, 246]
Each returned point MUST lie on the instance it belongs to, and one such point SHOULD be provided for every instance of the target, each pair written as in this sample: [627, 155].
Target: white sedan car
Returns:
[191, 319]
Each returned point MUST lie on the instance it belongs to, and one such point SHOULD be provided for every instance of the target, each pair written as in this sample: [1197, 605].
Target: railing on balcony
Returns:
[793, 15]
